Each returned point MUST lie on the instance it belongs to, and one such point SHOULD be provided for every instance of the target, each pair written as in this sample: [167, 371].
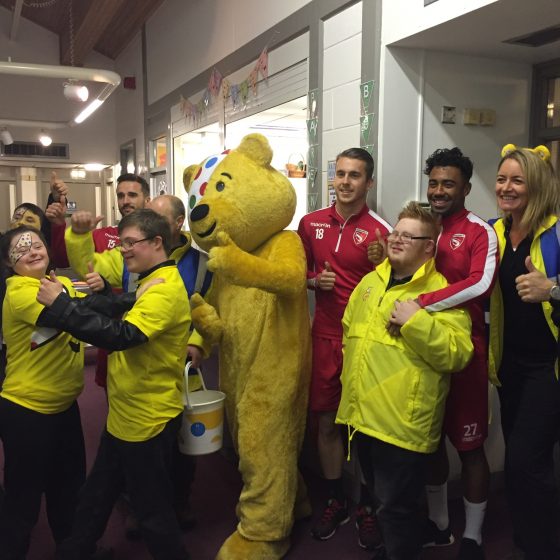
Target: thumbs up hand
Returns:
[377, 250]
[58, 187]
[326, 279]
[533, 287]
[94, 279]
[49, 290]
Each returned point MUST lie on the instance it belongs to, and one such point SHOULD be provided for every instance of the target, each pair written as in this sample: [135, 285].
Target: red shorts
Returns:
[325, 391]
[466, 409]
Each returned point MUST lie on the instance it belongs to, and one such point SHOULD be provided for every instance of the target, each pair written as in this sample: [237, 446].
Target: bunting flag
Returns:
[253, 76]
[234, 89]
[262, 63]
[217, 84]
[244, 89]
[226, 88]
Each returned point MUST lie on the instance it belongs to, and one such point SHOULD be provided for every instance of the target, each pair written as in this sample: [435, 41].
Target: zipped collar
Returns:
[339, 219]
[146, 273]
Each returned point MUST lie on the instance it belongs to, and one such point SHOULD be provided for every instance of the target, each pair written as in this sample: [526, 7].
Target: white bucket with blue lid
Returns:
[202, 429]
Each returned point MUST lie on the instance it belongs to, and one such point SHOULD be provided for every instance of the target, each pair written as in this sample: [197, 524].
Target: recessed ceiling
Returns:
[484, 32]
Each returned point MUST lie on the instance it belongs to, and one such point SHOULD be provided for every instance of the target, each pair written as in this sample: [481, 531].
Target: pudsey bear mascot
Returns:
[256, 311]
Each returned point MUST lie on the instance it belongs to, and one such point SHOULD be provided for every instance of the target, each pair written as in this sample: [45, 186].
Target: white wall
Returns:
[130, 103]
[42, 99]
[402, 18]
[187, 38]
[342, 68]
[414, 87]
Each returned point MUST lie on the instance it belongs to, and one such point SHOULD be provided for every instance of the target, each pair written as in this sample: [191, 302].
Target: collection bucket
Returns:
[203, 419]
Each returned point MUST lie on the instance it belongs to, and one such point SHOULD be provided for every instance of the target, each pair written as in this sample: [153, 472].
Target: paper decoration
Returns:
[218, 85]
[262, 63]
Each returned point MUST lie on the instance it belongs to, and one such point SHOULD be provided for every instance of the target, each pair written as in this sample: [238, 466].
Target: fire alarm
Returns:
[129, 82]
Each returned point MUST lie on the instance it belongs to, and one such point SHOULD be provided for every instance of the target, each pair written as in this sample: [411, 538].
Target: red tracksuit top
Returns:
[326, 236]
[103, 239]
[467, 255]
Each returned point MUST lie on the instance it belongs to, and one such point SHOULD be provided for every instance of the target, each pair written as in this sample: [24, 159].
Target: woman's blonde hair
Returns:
[543, 187]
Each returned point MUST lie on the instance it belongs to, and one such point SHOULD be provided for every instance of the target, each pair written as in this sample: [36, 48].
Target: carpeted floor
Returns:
[215, 493]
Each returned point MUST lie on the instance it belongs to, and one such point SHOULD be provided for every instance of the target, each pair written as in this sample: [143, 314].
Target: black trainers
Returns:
[369, 536]
[432, 536]
[335, 514]
[470, 550]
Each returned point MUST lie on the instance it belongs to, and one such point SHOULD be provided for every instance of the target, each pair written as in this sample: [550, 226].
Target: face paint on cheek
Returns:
[21, 248]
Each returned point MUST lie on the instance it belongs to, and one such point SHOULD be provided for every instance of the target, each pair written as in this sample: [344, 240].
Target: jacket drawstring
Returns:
[351, 432]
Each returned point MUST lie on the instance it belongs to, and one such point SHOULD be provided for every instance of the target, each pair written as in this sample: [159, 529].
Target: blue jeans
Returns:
[396, 477]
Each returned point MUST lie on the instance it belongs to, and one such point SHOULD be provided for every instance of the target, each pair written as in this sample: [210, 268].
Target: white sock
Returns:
[474, 518]
[437, 505]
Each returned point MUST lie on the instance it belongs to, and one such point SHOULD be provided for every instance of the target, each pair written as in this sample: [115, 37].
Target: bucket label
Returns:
[198, 429]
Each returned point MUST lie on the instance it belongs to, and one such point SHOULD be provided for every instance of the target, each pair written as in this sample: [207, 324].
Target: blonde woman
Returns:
[523, 343]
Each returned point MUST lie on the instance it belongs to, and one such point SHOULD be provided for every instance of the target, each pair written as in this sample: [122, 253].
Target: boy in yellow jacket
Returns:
[395, 377]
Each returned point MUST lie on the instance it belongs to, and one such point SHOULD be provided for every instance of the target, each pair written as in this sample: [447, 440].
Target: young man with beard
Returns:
[467, 257]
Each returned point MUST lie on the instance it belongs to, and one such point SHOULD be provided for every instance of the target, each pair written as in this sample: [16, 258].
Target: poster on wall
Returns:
[331, 170]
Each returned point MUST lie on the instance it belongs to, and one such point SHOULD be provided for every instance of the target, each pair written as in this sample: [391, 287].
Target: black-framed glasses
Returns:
[128, 244]
[404, 237]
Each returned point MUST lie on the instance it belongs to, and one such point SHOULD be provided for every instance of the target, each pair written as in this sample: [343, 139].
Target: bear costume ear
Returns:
[256, 147]
[188, 175]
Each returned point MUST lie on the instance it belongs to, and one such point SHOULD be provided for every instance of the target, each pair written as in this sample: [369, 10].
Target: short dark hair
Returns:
[6, 239]
[135, 179]
[361, 154]
[450, 157]
[150, 223]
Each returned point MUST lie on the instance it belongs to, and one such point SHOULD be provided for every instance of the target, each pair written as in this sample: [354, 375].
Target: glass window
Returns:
[158, 153]
[285, 128]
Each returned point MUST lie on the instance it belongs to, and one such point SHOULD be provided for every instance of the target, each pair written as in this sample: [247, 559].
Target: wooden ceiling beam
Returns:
[88, 28]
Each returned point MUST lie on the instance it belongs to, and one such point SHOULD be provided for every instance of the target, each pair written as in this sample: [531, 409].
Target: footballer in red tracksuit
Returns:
[468, 258]
[327, 237]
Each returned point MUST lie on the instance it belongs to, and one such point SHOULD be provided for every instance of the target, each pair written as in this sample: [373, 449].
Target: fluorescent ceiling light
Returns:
[93, 106]
[94, 166]
[110, 79]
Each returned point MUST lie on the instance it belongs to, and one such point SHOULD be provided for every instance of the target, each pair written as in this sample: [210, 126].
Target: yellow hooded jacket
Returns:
[394, 388]
[544, 260]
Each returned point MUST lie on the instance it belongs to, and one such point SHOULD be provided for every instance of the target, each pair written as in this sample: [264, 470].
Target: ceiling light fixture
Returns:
[6, 137]
[75, 92]
[94, 166]
[45, 139]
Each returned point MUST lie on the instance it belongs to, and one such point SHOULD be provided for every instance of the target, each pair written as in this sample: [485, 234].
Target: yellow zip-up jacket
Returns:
[496, 303]
[394, 388]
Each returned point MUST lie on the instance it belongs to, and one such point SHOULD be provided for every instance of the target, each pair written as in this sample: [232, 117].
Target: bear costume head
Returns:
[239, 192]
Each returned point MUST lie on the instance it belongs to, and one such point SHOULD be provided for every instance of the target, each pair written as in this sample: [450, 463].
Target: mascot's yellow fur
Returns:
[256, 311]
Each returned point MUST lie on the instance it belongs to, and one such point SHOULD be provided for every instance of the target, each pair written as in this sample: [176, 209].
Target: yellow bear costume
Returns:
[257, 312]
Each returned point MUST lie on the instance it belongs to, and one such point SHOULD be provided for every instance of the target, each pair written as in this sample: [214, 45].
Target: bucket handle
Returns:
[187, 367]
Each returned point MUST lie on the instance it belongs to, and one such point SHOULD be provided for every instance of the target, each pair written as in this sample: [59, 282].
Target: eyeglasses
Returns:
[128, 244]
[404, 237]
